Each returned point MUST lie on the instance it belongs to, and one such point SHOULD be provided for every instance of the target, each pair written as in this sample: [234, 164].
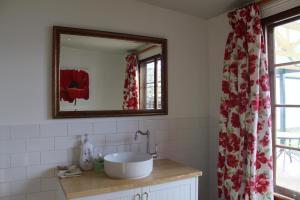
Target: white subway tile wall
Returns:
[24, 131]
[40, 144]
[4, 161]
[105, 127]
[29, 153]
[12, 146]
[54, 129]
[4, 132]
[25, 159]
[80, 128]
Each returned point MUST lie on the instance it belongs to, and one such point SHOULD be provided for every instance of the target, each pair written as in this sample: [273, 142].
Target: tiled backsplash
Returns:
[29, 153]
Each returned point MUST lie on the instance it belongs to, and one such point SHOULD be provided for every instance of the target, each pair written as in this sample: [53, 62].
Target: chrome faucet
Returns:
[147, 133]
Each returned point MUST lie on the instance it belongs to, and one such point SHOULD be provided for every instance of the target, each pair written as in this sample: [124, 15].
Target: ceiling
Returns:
[200, 8]
[100, 44]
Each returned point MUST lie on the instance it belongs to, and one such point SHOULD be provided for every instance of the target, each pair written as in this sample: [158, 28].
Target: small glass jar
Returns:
[99, 163]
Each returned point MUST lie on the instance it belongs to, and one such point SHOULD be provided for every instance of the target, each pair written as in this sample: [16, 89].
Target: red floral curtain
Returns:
[130, 101]
[245, 152]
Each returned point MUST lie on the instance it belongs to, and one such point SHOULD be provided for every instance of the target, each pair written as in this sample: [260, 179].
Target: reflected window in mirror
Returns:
[150, 82]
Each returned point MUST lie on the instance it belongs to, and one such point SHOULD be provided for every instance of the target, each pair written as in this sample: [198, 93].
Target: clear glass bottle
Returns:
[86, 161]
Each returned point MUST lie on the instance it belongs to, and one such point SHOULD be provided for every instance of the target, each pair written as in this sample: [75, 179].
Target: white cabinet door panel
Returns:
[179, 190]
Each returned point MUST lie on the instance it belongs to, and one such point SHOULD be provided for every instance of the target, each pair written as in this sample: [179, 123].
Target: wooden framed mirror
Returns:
[105, 74]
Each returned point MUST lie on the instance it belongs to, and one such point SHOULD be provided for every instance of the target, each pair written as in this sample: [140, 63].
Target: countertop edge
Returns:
[94, 192]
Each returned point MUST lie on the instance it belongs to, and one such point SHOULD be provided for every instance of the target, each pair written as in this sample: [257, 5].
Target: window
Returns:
[150, 82]
[283, 44]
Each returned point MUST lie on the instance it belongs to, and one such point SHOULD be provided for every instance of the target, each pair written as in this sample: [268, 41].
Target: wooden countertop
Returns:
[91, 183]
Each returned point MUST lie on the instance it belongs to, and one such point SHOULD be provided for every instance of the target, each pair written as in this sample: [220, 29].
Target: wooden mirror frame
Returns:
[57, 113]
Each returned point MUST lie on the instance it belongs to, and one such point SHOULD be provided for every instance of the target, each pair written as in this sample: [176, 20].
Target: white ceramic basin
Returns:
[128, 165]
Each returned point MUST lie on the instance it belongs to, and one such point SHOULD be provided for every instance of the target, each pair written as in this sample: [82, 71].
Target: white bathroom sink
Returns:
[128, 165]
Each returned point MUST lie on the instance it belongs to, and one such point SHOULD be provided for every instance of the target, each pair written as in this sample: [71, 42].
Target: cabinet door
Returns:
[122, 195]
[178, 190]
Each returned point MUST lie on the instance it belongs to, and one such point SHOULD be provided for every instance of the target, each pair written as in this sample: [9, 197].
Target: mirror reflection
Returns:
[97, 73]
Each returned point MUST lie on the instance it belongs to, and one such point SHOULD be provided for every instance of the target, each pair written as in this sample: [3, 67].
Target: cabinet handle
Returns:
[137, 197]
[145, 194]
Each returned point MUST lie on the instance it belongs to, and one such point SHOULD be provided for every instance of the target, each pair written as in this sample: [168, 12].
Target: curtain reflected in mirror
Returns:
[131, 91]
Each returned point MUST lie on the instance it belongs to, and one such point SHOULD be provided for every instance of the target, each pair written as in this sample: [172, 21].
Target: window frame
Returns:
[150, 59]
[269, 24]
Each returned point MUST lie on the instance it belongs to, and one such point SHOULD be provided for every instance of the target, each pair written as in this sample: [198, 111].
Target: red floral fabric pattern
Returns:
[130, 101]
[245, 152]
[74, 84]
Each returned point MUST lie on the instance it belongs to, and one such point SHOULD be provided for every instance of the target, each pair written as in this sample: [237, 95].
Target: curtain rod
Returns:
[262, 2]
[259, 2]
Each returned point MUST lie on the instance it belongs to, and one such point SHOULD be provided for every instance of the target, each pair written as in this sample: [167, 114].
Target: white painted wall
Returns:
[31, 142]
[106, 73]
[25, 51]
[218, 29]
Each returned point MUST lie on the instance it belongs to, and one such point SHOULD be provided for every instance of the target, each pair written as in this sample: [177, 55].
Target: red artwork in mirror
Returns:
[74, 84]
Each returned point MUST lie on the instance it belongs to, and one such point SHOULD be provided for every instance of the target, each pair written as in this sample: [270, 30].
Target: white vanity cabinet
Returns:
[186, 189]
